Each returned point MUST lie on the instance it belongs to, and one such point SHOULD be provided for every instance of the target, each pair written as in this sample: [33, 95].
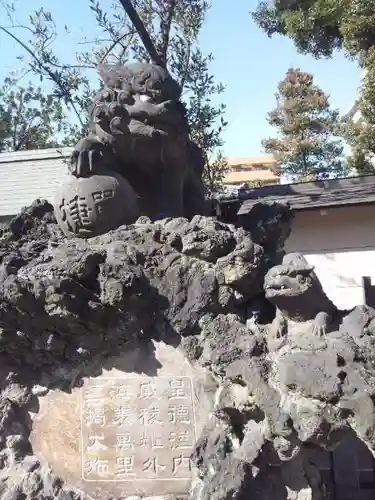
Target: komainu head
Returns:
[142, 79]
[139, 100]
[286, 280]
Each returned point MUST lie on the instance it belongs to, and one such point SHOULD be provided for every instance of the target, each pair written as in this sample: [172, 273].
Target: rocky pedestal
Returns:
[148, 363]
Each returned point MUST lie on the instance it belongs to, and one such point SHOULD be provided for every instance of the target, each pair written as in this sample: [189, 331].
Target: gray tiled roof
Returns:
[317, 194]
[27, 175]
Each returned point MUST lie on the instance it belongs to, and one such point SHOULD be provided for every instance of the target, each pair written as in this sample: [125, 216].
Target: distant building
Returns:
[255, 170]
[333, 226]
[28, 175]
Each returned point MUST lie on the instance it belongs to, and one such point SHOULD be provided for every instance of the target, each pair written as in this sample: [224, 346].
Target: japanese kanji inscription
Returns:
[128, 434]
[137, 429]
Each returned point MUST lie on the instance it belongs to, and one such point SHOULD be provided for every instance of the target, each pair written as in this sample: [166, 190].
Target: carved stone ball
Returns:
[89, 206]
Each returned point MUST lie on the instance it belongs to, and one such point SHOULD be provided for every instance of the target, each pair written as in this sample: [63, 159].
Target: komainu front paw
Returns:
[87, 156]
[321, 322]
[281, 331]
[278, 330]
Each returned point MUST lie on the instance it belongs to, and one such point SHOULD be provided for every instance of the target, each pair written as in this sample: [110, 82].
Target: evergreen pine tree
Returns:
[306, 146]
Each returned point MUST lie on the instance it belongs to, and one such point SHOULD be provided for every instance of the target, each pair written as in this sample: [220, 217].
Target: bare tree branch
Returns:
[46, 70]
[9, 9]
[14, 26]
[166, 17]
[142, 32]
[107, 52]
[71, 66]
[187, 62]
[97, 40]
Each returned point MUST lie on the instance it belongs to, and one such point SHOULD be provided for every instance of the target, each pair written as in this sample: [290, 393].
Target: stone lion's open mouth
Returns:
[281, 290]
[286, 286]
[287, 281]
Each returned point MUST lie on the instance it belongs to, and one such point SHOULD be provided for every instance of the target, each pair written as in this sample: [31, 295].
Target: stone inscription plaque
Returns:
[137, 429]
[127, 435]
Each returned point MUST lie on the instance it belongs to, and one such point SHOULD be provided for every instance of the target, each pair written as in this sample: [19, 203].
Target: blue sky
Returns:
[247, 62]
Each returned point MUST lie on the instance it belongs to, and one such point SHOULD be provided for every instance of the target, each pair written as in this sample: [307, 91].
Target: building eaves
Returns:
[314, 195]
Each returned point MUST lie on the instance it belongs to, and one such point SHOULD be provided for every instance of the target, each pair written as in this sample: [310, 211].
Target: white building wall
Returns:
[28, 175]
[340, 243]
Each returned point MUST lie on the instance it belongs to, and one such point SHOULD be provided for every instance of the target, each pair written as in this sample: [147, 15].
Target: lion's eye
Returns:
[125, 97]
[107, 96]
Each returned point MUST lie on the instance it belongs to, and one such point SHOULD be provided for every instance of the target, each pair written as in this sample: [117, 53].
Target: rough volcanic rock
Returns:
[68, 307]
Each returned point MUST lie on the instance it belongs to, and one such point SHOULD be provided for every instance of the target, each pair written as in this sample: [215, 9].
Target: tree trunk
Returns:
[142, 32]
